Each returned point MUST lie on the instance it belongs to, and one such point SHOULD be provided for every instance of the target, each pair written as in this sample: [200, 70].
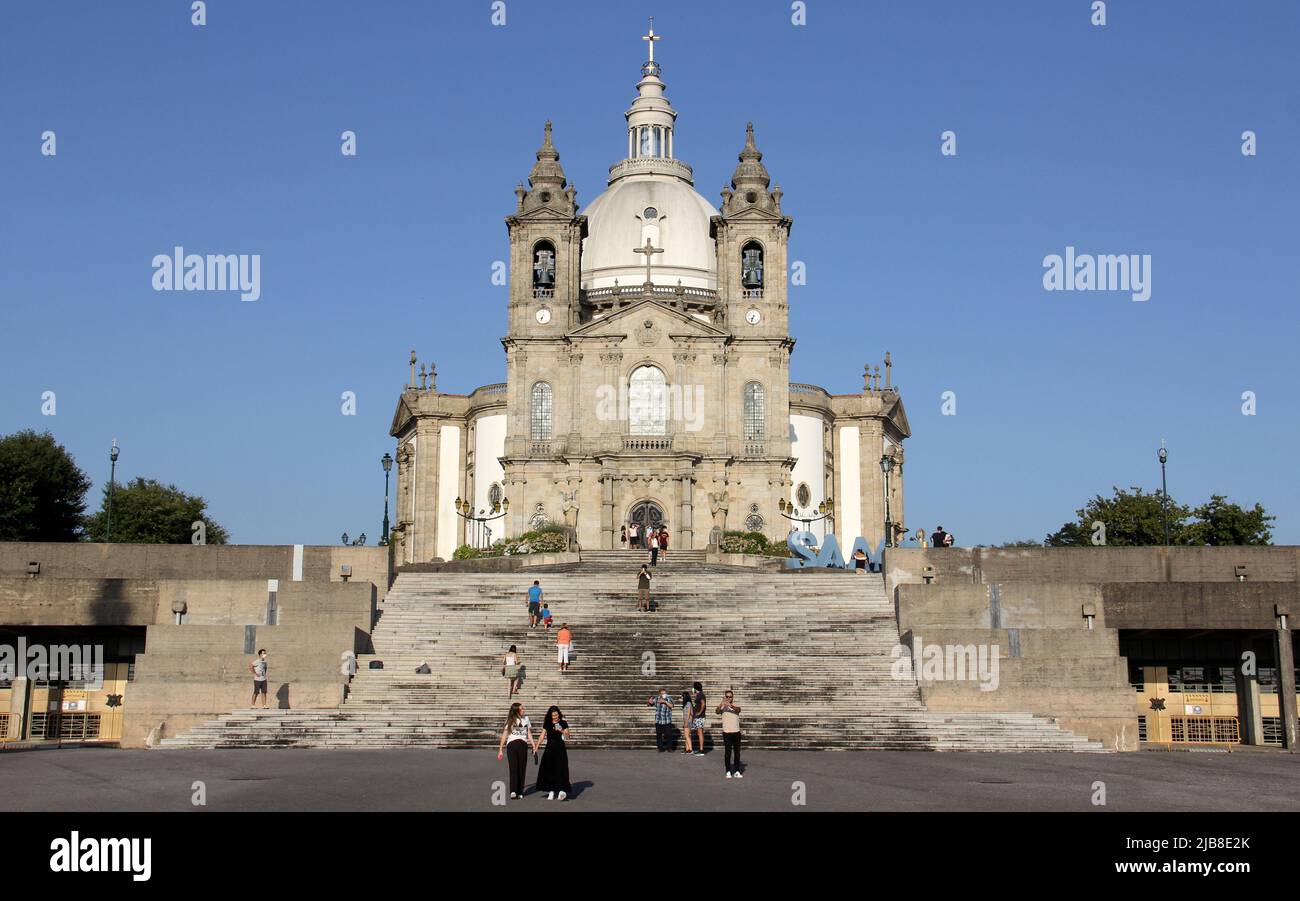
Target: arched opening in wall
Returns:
[541, 414]
[754, 411]
[647, 402]
[751, 269]
[544, 269]
[647, 514]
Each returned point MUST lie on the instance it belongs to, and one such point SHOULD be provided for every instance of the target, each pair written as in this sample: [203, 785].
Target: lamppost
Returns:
[112, 479]
[887, 466]
[1164, 489]
[388, 465]
[477, 525]
[825, 510]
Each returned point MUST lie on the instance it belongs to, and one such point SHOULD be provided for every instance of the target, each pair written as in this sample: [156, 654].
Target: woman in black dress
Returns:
[553, 774]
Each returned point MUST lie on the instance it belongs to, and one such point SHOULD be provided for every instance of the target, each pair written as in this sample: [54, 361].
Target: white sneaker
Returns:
[513, 795]
[739, 775]
[563, 796]
[728, 775]
[550, 796]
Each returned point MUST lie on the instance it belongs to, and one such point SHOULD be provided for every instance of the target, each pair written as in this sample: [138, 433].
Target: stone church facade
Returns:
[647, 374]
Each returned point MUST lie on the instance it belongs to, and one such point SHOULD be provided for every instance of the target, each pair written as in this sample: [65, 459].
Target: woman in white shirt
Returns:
[516, 738]
[510, 669]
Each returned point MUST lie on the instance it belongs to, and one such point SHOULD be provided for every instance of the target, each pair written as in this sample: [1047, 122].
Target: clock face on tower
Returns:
[753, 317]
[543, 315]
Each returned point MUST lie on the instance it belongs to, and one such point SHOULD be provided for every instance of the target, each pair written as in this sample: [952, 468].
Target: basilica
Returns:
[647, 375]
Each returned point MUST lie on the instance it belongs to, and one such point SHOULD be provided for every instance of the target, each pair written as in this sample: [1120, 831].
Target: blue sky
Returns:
[225, 139]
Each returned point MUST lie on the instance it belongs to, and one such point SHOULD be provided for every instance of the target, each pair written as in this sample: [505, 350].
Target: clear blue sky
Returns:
[225, 139]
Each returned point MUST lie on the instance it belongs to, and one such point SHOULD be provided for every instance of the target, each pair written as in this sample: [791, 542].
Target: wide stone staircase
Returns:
[809, 655]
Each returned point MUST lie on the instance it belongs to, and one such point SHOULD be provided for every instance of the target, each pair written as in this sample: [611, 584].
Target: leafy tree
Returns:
[1024, 542]
[1131, 520]
[1221, 524]
[42, 491]
[148, 512]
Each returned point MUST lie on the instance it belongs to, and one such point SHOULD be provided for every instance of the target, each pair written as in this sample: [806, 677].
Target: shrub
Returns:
[465, 552]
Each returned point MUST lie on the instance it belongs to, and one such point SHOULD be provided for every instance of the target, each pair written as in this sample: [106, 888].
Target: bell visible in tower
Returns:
[751, 267]
[543, 269]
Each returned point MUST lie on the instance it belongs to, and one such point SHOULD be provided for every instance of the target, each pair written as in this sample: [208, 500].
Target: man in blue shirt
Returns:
[534, 604]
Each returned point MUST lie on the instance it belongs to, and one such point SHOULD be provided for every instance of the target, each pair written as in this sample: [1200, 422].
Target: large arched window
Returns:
[542, 413]
[647, 402]
[754, 406]
[543, 268]
[751, 266]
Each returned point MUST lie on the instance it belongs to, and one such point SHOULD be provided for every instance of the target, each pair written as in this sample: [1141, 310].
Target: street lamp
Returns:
[825, 510]
[1164, 489]
[478, 532]
[887, 466]
[112, 478]
[387, 461]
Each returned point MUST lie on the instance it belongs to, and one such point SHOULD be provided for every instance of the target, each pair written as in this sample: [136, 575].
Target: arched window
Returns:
[543, 267]
[754, 406]
[751, 266]
[647, 402]
[542, 412]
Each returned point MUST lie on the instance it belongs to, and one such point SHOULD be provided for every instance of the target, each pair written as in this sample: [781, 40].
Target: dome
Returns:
[661, 208]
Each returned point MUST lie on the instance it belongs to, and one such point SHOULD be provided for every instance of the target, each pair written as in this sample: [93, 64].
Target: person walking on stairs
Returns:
[534, 603]
[654, 548]
[510, 669]
[563, 645]
[516, 739]
[546, 616]
[643, 590]
[663, 541]
[697, 722]
[663, 706]
[730, 712]
[553, 772]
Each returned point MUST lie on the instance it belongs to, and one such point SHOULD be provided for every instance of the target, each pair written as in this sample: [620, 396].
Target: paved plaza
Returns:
[101, 779]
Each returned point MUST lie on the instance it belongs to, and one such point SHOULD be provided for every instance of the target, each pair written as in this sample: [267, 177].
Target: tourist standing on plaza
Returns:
[510, 669]
[663, 706]
[516, 739]
[534, 603]
[259, 669]
[939, 538]
[643, 590]
[553, 773]
[632, 535]
[654, 548]
[564, 644]
[730, 735]
[697, 722]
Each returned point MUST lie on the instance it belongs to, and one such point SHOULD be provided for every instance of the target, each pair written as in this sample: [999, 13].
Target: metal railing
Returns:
[648, 443]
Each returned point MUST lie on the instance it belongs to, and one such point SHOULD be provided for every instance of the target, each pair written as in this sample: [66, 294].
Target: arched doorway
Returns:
[647, 513]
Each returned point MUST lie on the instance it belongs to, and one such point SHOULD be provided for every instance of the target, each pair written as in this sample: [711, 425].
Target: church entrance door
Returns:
[647, 513]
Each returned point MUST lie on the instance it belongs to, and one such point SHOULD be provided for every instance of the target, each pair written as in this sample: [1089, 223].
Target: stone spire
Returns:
[750, 181]
[651, 122]
[750, 174]
[547, 186]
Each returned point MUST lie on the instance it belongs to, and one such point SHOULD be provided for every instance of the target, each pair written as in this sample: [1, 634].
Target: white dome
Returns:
[617, 223]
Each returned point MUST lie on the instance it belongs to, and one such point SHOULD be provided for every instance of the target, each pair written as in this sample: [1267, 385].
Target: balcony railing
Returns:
[753, 293]
[755, 449]
[643, 443]
[543, 293]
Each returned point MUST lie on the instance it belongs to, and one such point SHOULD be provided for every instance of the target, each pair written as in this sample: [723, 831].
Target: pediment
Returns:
[401, 416]
[664, 321]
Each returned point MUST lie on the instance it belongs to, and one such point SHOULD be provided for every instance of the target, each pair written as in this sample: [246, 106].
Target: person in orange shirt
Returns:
[563, 642]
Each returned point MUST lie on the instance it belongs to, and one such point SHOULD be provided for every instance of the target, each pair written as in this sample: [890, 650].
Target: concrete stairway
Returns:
[809, 656]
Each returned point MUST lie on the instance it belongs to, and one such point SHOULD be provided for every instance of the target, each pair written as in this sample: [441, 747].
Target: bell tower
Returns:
[753, 238]
[546, 235]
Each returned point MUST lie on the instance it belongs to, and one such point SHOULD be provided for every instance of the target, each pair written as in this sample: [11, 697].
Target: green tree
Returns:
[1024, 542]
[1222, 524]
[1131, 519]
[148, 512]
[42, 492]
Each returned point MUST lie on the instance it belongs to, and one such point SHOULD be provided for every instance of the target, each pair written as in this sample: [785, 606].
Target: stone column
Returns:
[1252, 726]
[607, 510]
[426, 474]
[686, 530]
[19, 700]
[1286, 686]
